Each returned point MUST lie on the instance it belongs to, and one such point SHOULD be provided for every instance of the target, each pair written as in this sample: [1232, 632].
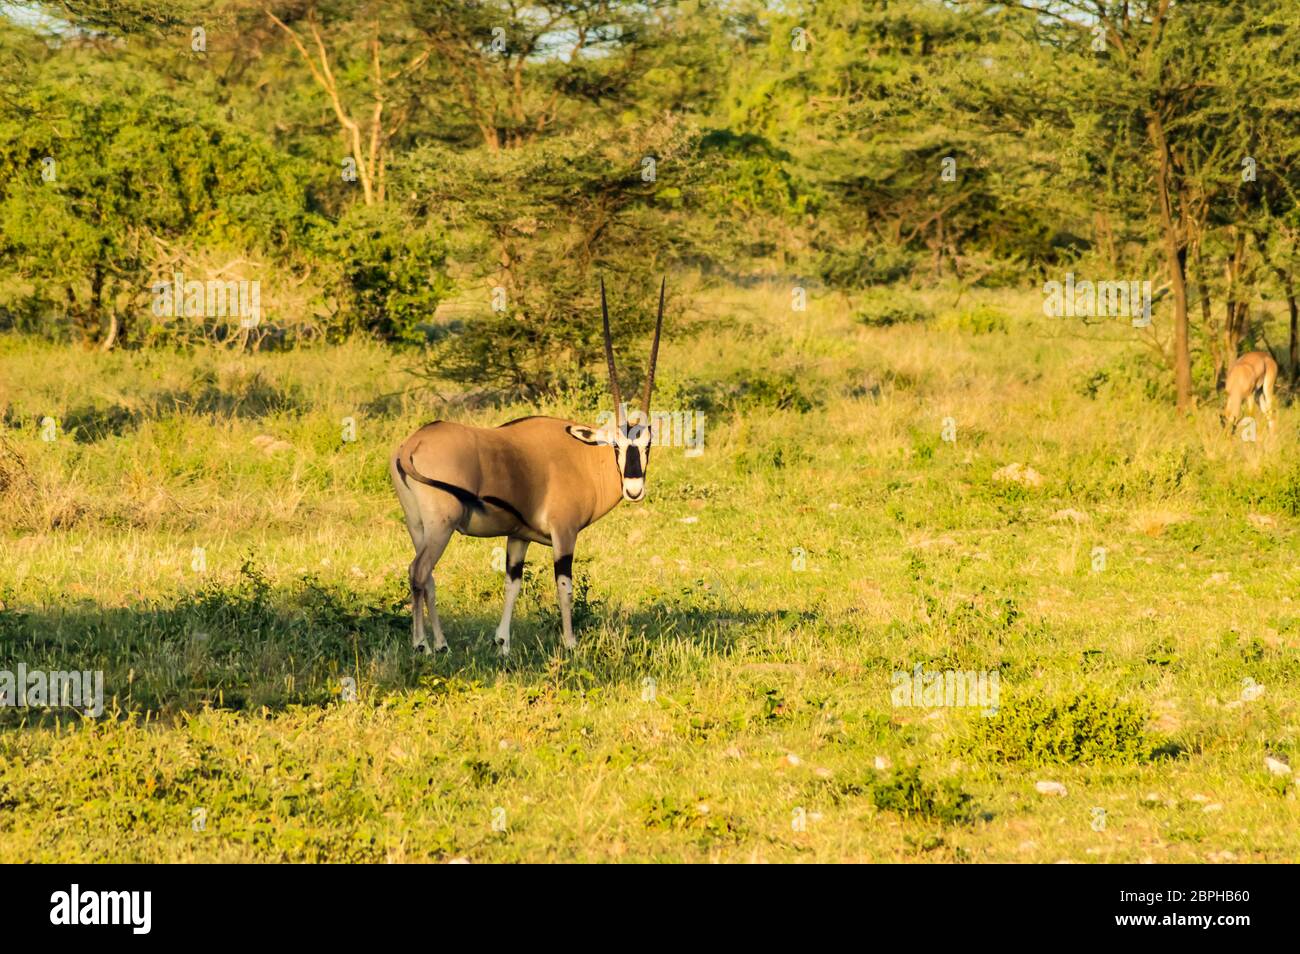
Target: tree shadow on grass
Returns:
[255, 646]
[251, 398]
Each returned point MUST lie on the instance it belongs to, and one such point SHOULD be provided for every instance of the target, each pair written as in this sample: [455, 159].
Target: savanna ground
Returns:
[737, 632]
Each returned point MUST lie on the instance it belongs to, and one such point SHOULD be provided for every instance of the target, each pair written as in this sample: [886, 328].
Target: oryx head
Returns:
[630, 433]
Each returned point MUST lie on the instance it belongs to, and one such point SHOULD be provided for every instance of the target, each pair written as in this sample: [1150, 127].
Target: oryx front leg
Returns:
[562, 544]
[516, 550]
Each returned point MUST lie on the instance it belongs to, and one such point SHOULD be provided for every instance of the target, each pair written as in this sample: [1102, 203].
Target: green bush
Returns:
[894, 307]
[982, 320]
[910, 796]
[859, 266]
[391, 273]
[1090, 727]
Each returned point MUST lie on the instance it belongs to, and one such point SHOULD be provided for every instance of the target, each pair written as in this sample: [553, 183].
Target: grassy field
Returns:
[1132, 582]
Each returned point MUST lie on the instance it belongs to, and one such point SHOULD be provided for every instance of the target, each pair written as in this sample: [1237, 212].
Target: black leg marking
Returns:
[564, 566]
[514, 571]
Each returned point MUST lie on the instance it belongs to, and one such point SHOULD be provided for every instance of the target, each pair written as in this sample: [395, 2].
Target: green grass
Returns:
[730, 696]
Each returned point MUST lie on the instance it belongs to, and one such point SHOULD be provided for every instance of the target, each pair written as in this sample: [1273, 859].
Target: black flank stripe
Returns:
[468, 499]
[510, 509]
[460, 493]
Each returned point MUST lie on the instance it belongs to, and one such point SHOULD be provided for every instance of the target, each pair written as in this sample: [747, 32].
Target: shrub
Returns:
[391, 273]
[982, 320]
[861, 265]
[891, 308]
[910, 796]
[1089, 727]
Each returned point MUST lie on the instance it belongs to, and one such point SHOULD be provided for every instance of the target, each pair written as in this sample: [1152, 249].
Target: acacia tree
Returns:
[863, 99]
[360, 56]
[534, 225]
[515, 70]
[1157, 84]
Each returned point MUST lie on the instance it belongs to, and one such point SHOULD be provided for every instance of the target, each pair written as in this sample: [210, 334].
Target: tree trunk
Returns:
[1295, 344]
[1207, 317]
[1176, 261]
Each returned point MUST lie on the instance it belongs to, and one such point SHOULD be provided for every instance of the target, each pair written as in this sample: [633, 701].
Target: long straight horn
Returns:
[654, 351]
[609, 358]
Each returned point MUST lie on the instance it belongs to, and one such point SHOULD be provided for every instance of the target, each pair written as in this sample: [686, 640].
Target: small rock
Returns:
[269, 445]
[1017, 473]
[1055, 789]
[881, 763]
[1071, 515]
[1276, 766]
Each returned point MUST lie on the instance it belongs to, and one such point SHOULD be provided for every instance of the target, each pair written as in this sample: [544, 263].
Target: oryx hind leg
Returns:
[1266, 396]
[431, 518]
[424, 590]
[516, 550]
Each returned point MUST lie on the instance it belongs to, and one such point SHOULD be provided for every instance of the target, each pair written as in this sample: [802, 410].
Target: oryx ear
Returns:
[588, 435]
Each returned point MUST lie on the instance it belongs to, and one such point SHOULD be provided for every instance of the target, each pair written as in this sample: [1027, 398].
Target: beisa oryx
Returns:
[531, 480]
[1250, 379]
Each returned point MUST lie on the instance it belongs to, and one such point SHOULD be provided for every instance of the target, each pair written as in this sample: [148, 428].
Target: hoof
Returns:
[444, 648]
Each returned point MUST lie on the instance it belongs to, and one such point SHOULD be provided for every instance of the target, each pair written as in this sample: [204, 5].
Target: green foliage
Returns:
[907, 794]
[392, 275]
[1088, 727]
[895, 307]
[98, 182]
[671, 813]
[857, 265]
[982, 319]
[536, 226]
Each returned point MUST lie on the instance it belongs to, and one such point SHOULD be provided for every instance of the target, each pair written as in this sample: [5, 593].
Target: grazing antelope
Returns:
[1251, 377]
[532, 480]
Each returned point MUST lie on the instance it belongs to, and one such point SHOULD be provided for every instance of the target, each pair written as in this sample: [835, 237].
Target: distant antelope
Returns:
[1251, 377]
[532, 480]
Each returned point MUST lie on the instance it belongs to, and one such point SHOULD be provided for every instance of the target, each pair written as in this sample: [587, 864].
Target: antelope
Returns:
[1251, 377]
[531, 480]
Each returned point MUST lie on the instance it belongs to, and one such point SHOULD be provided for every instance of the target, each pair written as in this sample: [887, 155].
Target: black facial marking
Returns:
[564, 566]
[632, 467]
